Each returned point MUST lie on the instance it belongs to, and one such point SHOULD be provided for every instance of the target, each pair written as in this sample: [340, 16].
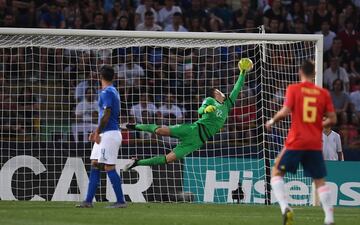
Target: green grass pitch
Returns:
[64, 213]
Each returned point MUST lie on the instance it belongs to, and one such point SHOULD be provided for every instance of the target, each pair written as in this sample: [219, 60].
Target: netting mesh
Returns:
[49, 106]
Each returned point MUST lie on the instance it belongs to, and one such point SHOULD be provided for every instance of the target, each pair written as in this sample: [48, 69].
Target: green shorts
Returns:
[188, 135]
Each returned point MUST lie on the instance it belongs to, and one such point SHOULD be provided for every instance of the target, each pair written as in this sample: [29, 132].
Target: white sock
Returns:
[325, 199]
[278, 186]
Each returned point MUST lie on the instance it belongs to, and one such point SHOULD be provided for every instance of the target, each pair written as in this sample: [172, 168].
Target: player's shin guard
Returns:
[94, 180]
[325, 199]
[158, 160]
[116, 183]
[147, 127]
[278, 186]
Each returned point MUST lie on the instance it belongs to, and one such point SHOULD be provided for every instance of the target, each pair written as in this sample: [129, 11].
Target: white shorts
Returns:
[107, 151]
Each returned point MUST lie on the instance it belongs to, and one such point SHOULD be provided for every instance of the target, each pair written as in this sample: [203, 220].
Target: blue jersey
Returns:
[110, 98]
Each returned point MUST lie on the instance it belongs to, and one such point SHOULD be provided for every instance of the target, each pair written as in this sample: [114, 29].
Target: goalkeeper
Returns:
[213, 111]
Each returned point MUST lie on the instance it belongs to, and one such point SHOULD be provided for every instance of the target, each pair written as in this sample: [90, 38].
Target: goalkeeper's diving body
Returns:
[213, 111]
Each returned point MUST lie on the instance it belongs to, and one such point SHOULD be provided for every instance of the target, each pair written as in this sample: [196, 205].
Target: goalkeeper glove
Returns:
[209, 109]
[245, 65]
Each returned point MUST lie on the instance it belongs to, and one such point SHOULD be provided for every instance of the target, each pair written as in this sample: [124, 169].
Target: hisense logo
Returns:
[299, 193]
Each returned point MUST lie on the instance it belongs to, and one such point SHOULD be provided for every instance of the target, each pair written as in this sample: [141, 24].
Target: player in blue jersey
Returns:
[107, 138]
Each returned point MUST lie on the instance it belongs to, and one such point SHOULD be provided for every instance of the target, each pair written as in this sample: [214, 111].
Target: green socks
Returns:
[158, 160]
[147, 127]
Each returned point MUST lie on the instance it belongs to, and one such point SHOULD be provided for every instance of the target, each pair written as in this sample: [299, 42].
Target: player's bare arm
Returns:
[330, 119]
[280, 115]
[95, 136]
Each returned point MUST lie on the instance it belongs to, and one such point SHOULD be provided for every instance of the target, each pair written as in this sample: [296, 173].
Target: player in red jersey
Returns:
[307, 104]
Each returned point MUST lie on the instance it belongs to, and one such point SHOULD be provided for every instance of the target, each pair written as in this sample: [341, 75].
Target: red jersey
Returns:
[308, 104]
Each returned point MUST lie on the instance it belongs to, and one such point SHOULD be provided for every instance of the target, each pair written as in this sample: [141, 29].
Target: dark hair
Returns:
[107, 73]
[210, 92]
[149, 13]
[325, 21]
[99, 14]
[308, 68]
[177, 14]
[90, 89]
[336, 39]
[341, 84]
[349, 20]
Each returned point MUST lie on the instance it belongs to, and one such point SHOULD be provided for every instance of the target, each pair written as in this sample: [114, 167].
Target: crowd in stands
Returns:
[337, 20]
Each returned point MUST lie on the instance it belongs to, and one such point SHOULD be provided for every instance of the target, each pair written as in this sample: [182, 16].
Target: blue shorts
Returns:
[312, 162]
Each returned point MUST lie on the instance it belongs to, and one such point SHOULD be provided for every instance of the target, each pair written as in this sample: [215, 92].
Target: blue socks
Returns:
[93, 183]
[116, 183]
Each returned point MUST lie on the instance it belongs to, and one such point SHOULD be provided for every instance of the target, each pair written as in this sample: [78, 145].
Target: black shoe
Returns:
[288, 216]
[131, 165]
[128, 126]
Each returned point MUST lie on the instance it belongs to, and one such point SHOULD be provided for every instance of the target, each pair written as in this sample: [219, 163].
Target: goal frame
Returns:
[317, 38]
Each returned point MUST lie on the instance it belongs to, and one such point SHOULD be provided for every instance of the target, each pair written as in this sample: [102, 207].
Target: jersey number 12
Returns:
[309, 112]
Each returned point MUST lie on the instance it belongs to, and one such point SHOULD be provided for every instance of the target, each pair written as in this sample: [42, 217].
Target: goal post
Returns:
[48, 106]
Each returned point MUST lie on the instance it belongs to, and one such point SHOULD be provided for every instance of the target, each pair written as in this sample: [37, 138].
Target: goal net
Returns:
[49, 86]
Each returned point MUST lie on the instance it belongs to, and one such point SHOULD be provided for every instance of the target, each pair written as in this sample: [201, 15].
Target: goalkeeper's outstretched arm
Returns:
[230, 101]
[245, 65]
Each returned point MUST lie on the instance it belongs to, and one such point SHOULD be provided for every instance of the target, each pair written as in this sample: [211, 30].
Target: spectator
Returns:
[300, 27]
[349, 35]
[3, 11]
[195, 25]
[274, 26]
[341, 101]
[249, 25]
[295, 13]
[332, 149]
[355, 62]
[328, 35]
[243, 115]
[28, 108]
[320, 15]
[196, 11]
[80, 89]
[336, 72]
[170, 110]
[276, 12]
[77, 23]
[176, 24]
[25, 12]
[108, 5]
[167, 12]
[142, 9]
[130, 71]
[71, 11]
[223, 11]
[149, 23]
[123, 23]
[144, 106]
[348, 13]
[338, 52]
[215, 24]
[99, 22]
[52, 18]
[9, 20]
[86, 114]
[8, 109]
[355, 100]
[241, 15]
[356, 3]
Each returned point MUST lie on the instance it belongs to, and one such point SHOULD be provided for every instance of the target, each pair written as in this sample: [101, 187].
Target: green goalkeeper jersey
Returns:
[214, 121]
